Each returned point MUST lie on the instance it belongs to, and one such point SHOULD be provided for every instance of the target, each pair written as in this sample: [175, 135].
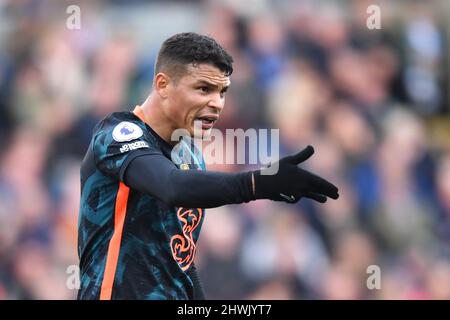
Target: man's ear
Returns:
[161, 84]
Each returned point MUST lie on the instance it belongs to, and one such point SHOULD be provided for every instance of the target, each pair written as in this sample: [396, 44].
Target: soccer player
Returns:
[141, 211]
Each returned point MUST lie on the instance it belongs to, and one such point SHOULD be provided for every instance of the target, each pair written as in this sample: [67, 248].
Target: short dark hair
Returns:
[185, 48]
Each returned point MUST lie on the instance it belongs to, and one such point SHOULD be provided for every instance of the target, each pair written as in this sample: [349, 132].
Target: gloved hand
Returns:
[290, 183]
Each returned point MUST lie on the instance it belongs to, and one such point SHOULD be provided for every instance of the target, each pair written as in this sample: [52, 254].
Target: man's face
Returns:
[197, 98]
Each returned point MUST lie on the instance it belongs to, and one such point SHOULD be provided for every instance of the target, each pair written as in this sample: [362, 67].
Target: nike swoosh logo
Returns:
[288, 198]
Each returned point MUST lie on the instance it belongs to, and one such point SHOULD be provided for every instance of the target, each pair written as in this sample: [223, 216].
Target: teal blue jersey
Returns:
[132, 245]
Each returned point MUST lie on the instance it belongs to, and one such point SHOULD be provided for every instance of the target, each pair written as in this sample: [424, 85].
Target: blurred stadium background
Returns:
[374, 103]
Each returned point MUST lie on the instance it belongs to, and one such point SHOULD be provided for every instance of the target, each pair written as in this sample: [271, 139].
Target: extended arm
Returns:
[156, 175]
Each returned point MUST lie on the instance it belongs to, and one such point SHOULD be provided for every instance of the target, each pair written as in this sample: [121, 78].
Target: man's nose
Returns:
[216, 102]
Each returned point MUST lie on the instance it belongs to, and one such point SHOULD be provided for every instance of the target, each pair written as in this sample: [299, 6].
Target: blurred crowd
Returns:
[373, 103]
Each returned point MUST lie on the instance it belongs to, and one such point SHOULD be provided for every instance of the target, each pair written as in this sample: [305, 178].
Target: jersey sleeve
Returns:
[117, 143]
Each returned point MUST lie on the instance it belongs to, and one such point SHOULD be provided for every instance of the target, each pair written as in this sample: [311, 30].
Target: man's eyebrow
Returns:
[210, 84]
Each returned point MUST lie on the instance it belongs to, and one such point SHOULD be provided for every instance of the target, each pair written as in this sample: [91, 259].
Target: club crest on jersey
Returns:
[126, 131]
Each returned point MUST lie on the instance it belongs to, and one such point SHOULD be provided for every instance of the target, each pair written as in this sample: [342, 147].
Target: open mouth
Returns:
[207, 122]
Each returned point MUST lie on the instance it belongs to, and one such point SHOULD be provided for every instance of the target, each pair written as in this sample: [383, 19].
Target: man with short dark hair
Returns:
[141, 209]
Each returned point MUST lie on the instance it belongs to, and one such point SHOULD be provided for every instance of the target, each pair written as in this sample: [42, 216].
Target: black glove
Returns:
[290, 182]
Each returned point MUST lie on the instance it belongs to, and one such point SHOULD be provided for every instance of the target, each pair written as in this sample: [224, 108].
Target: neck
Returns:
[156, 119]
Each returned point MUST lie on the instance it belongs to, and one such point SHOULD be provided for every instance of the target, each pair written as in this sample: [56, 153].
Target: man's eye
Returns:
[204, 89]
